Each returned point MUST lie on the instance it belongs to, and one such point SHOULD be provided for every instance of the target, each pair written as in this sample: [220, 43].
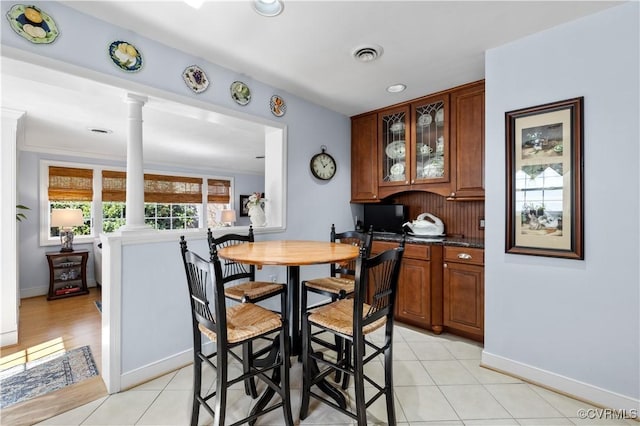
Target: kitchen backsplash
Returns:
[459, 217]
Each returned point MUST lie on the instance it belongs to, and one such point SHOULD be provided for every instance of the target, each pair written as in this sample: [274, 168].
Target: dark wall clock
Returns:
[322, 165]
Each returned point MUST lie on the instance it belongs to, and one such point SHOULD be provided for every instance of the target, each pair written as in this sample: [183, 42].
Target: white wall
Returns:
[572, 325]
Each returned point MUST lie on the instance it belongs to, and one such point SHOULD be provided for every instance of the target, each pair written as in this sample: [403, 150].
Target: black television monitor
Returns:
[385, 217]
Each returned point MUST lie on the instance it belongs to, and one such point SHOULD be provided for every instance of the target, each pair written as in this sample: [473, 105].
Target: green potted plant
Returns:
[19, 214]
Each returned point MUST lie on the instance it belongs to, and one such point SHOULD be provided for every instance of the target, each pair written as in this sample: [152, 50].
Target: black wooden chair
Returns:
[248, 289]
[241, 286]
[230, 327]
[340, 283]
[353, 320]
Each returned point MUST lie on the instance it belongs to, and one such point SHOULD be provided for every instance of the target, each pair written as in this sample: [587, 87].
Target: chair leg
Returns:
[340, 355]
[197, 387]
[347, 346]
[358, 380]
[284, 368]
[221, 386]
[306, 367]
[388, 376]
[247, 363]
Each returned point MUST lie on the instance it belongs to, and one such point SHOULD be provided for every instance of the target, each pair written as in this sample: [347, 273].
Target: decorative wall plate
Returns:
[126, 56]
[240, 93]
[33, 24]
[277, 105]
[195, 78]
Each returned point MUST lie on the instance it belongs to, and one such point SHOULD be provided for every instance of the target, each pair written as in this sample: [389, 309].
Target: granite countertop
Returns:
[456, 241]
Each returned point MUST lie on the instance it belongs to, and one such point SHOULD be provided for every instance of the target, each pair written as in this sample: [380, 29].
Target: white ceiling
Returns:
[306, 51]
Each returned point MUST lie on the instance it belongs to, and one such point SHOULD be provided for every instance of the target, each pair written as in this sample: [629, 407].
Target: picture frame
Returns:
[544, 180]
[244, 208]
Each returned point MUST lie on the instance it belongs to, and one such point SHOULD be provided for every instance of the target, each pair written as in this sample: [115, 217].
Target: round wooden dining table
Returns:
[292, 254]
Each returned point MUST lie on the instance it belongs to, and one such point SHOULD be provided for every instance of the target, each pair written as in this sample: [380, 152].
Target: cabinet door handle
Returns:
[445, 265]
[464, 256]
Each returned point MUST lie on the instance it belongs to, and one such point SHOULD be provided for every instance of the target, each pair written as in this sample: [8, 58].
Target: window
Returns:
[171, 202]
[172, 216]
[70, 187]
[218, 199]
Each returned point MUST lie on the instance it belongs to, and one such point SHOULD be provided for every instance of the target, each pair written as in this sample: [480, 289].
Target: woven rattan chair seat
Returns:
[338, 316]
[252, 290]
[332, 284]
[245, 321]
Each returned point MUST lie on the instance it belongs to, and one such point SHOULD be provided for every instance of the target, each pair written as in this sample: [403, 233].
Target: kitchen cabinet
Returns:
[67, 273]
[463, 283]
[434, 143]
[467, 135]
[419, 292]
[364, 160]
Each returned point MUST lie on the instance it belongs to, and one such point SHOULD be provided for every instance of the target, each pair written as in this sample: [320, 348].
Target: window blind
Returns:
[70, 184]
[157, 188]
[172, 189]
[114, 186]
[218, 191]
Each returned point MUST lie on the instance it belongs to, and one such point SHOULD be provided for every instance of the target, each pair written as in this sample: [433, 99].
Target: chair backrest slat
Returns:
[380, 273]
[206, 290]
[356, 238]
[233, 271]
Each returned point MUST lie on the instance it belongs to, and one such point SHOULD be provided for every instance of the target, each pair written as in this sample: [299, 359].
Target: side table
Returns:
[67, 273]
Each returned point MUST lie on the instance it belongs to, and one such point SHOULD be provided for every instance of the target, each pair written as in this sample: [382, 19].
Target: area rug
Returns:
[99, 305]
[26, 381]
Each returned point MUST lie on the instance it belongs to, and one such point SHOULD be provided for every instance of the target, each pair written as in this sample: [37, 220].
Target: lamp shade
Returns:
[228, 216]
[66, 218]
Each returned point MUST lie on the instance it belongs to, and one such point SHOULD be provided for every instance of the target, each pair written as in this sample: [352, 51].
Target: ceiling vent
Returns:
[100, 130]
[367, 53]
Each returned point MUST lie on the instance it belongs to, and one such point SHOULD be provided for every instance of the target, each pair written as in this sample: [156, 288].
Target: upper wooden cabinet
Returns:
[434, 143]
[364, 158]
[467, 134]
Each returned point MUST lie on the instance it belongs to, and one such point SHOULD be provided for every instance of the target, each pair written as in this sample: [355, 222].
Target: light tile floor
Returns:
[437, 379]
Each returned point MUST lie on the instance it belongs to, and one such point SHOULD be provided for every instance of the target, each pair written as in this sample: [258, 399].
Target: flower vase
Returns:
[257, 216]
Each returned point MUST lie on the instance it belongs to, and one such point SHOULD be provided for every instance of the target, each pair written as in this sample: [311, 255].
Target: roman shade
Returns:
[70, 184]
[218, 191]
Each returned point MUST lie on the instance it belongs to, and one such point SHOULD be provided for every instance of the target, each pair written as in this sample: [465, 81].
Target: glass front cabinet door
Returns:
[394, 146]
[430, 136]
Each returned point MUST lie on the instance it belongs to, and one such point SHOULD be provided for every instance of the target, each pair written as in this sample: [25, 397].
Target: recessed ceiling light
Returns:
[395, 88]
[367, 53]
[268, 7]
[100, 130]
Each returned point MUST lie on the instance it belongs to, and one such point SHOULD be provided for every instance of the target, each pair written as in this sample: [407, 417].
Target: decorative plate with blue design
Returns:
[33, 24]
[126, 56]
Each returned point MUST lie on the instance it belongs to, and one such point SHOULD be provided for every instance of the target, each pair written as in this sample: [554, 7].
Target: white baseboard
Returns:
[154, 370]
[9, 338]
[571, 387]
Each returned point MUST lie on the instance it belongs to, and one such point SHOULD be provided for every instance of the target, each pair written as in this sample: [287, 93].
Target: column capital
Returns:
[133, 98]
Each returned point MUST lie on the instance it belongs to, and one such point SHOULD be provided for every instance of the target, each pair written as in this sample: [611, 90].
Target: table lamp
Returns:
[228, 217]
[65, 220]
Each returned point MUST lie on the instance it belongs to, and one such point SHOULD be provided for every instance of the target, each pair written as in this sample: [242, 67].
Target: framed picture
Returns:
[544, 209]
[244, 209]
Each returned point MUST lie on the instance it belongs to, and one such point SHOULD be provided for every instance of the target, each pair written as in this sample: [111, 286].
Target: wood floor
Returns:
[46, 326]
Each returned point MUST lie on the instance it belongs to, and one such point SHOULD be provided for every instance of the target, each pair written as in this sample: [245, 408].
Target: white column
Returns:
[12, 133]
[135, 165]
